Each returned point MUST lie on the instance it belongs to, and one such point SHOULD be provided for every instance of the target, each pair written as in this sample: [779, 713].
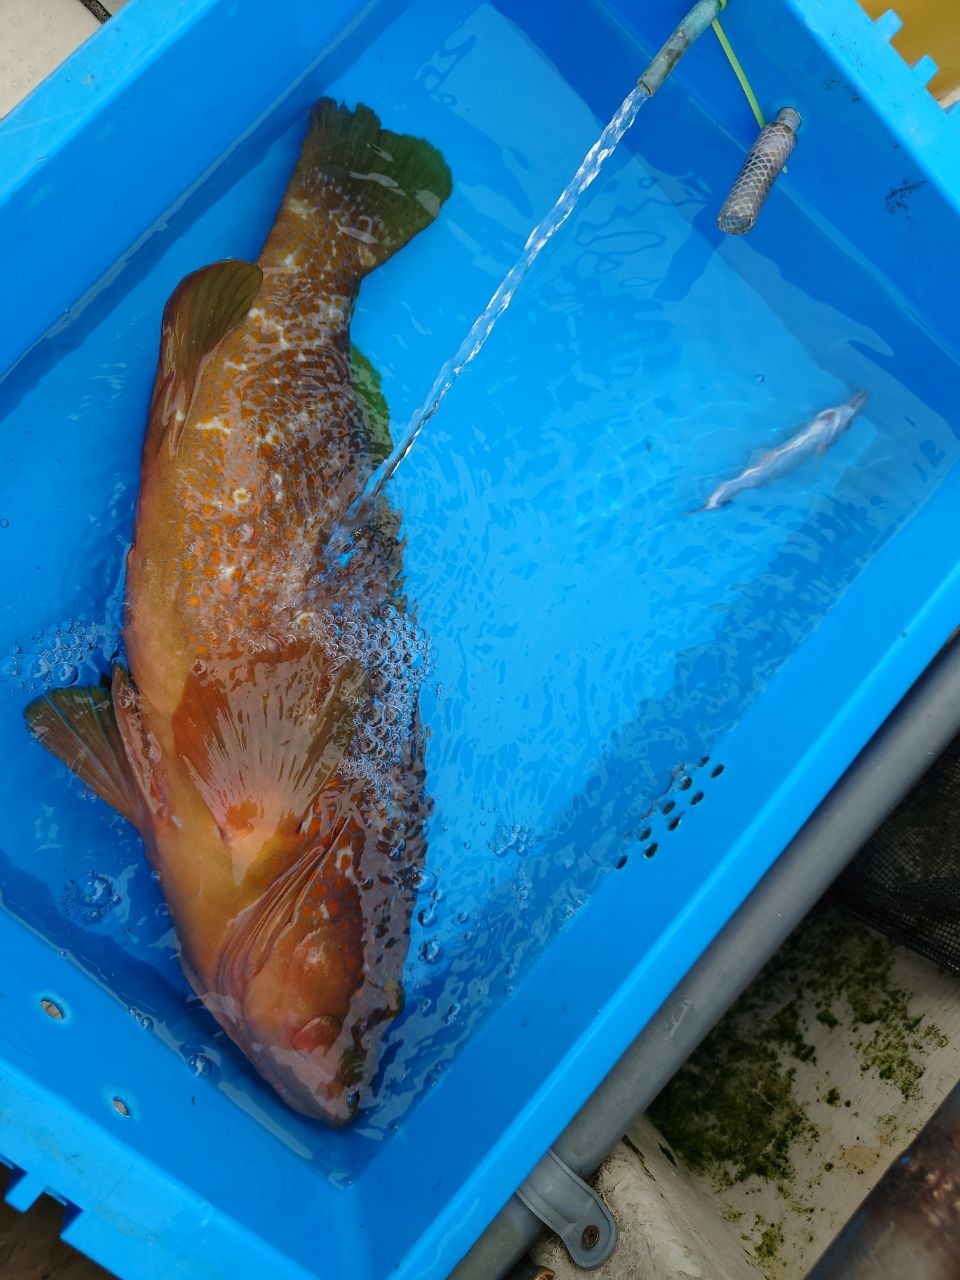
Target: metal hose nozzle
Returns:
[760, 170]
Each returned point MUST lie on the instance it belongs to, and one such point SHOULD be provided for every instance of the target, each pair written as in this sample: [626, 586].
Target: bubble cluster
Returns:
[56, 657]
[435, 1074]
[511, 838]
[394, 653]
[451, 1015]
[141, 1019]
[90, 898]
[431, 951]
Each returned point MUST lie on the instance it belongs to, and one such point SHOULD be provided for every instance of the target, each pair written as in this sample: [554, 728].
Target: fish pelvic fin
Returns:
[79, 726]
[205, 306]
[359, 192]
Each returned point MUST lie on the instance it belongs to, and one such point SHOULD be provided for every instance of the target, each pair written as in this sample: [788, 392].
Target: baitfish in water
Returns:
[266, 740]
[816, 437]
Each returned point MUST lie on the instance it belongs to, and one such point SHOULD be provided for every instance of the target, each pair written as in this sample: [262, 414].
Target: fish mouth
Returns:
[315, 1073]
[318, 1070]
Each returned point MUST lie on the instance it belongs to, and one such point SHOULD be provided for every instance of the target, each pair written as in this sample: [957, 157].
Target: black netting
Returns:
[906, 879]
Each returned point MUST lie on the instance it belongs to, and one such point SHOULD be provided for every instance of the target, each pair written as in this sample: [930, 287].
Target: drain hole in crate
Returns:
[677, 804]
[52, 1009]
[121, 1107]
[621, 862]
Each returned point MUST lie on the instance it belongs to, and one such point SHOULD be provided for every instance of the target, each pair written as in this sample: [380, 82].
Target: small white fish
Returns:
[816, 437]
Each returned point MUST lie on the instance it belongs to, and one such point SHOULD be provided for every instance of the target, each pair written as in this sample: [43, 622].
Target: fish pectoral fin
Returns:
[79, 726]
[205, 306]
[261, 752]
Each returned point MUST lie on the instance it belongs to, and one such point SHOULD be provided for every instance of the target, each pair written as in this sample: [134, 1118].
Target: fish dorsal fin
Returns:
[262, 744]
[80, 728]
[202, 310]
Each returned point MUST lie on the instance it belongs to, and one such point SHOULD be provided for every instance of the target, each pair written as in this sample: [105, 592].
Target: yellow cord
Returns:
[739, 73]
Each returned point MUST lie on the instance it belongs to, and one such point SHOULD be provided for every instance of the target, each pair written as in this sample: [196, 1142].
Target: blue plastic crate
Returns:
[164, 143]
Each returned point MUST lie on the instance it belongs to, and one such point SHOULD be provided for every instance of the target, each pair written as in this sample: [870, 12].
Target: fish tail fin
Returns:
[359, 192]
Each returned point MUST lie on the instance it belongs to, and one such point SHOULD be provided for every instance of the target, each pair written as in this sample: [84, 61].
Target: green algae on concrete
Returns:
[732, 1112]
[771, 1240]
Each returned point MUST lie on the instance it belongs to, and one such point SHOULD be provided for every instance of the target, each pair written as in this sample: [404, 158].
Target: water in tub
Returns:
[582, 637]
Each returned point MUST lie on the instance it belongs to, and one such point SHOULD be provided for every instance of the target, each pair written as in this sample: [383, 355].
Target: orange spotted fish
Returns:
[266, 740]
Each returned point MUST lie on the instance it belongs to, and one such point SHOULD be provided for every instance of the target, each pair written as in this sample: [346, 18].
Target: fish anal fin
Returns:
[205, 306]
[372, 402]
[79, 727]
[376, 417]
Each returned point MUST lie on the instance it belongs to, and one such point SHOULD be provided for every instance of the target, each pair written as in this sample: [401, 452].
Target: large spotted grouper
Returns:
[265, 740]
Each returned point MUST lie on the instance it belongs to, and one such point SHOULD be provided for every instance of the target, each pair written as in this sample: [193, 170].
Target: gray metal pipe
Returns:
[896, 757]
[687, 32]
